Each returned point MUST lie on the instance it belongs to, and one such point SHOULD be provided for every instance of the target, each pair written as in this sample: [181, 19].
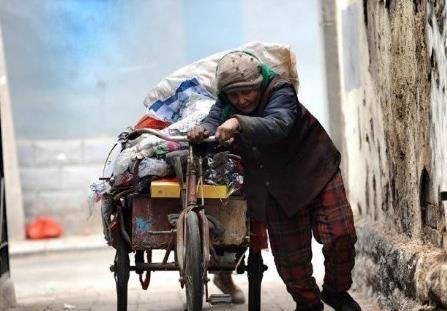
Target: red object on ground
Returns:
[148, 122]
[43, 228]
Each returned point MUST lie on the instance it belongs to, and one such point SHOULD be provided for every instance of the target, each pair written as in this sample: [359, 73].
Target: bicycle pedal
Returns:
[216, 299]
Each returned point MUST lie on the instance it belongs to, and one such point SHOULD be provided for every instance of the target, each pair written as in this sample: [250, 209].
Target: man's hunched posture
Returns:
[292, 180]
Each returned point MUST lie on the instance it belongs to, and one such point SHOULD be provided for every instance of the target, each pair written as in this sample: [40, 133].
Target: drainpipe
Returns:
[13, 190]
[328, 23]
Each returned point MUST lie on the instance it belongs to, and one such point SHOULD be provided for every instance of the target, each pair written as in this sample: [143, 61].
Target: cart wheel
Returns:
[194, 264]
[121, 272]
[255, 273]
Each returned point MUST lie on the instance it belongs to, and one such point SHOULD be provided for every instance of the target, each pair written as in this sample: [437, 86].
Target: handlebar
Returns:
[169, 137]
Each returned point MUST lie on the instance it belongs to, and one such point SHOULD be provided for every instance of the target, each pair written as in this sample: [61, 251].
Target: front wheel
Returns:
[194, 264]
[255, 273]
[121, 272]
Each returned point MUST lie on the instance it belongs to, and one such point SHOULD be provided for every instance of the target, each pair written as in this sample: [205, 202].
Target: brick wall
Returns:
[56, 175]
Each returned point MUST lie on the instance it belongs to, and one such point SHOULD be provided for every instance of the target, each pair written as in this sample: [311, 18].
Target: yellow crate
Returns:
[171, 189]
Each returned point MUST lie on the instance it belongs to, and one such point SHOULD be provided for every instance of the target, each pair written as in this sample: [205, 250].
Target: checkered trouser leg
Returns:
[330, 218]
[333, 226]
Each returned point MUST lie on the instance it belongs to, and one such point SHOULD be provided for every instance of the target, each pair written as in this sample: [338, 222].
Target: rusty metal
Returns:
[170, 232]
[191, 179]
[168, 137]
[172, 266]
[205, 247]
[150, 224]
[191, 202]
[181, 240]
[192, 190]
[202, 199]
[168, 250]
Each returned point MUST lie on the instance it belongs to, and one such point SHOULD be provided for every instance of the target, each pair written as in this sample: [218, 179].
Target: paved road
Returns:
[82, 281]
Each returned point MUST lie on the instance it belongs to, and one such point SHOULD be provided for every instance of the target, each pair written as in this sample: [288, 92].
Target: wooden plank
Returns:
[231, 215]
[171, 189]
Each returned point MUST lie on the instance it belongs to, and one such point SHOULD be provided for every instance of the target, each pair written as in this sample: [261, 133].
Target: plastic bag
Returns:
[222, 170]
[171, 108]
[106, 214]
[279, 57]
[97, 189]
[154, 167]
[43, 228]
[192, 113]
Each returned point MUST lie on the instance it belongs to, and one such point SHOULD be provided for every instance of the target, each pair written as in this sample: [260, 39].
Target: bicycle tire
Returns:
[255, 274]
[193, 264]
[121, 274]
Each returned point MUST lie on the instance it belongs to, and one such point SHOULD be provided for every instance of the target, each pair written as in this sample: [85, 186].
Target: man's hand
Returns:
[227, 130]
[197, 134]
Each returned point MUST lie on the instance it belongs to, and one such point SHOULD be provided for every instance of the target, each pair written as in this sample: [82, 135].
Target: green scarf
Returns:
[267, 75]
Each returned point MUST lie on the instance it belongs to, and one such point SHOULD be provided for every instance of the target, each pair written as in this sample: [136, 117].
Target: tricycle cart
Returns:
[176, 217]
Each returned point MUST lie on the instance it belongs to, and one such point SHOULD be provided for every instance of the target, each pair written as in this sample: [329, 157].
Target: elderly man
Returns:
[292, 178]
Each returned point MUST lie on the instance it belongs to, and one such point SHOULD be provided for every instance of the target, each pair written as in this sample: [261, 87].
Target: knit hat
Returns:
[238, 70]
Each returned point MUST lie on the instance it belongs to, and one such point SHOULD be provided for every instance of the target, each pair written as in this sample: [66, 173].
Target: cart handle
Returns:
[169, 137]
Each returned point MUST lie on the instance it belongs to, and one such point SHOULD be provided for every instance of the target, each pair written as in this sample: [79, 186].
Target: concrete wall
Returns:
[56, 175]
[393, 75]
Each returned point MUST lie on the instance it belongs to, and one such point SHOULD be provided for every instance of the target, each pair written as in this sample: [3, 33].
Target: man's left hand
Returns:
[227, 130]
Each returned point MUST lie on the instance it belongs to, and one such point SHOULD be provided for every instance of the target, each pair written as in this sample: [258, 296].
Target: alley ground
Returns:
[81, 280]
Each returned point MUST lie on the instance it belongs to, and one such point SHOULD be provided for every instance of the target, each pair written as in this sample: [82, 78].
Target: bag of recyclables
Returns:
[185, 97]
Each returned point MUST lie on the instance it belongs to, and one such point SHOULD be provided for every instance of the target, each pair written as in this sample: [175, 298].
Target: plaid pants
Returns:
[330, 219]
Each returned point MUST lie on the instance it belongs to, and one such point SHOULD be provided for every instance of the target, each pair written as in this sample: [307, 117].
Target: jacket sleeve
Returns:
[213, 120]
[277, 121]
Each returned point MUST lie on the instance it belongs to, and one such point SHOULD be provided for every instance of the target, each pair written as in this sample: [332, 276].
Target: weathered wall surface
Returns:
[436, 32]
[393, 78]
[56, 175]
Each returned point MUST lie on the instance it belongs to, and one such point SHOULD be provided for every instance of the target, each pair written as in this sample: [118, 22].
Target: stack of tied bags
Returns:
[174, 106]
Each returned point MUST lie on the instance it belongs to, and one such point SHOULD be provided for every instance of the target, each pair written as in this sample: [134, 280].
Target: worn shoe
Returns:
[340, 301]
[224, 282]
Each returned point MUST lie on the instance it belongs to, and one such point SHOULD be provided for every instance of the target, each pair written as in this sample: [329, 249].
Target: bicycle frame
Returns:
[193, 175]
[189, 203]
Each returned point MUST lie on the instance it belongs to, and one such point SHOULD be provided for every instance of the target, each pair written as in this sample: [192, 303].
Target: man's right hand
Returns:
[197, 134]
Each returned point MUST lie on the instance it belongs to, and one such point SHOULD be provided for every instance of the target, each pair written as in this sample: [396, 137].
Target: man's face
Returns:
[244, 100]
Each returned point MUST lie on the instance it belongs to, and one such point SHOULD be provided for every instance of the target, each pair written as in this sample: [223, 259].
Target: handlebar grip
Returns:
[210, 139]
[133, 135]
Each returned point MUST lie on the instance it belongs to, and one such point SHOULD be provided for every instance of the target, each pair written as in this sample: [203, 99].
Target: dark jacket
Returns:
[285, 151]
